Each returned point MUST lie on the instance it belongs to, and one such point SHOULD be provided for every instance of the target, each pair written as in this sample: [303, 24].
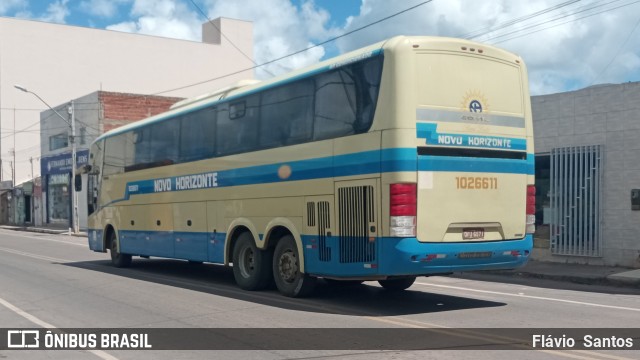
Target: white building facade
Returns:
[60, 63]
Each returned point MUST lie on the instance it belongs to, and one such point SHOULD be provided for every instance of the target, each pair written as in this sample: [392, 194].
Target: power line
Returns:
[296, 52]
[617, 53]
[489, 29]
[224, 36]
[583, 9]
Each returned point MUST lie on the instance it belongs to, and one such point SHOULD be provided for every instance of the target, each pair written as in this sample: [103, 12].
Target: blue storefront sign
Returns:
[61, 163]
[56, 183]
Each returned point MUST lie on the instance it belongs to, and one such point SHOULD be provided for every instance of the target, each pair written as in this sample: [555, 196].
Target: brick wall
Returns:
[119, 109]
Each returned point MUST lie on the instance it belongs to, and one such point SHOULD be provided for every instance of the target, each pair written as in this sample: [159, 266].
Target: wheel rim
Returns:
[247, 262]
[288, 266]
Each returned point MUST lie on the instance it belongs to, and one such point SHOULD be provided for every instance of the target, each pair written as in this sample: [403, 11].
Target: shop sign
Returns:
[59, 164]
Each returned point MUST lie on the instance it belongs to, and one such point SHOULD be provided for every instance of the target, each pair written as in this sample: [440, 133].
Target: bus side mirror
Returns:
[78, 182]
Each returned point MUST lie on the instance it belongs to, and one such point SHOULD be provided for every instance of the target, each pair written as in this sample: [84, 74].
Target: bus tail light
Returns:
[403, 209]
[531, 209]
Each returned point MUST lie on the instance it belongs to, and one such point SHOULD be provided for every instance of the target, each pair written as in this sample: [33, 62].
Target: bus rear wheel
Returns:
[251, 266]
[118, 259]
[286, 270]
[397, 284]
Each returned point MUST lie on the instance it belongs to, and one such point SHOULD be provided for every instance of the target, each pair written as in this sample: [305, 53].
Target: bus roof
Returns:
[246, 87]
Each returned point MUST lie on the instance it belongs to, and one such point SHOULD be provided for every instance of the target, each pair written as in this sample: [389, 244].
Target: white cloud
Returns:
[102, 8]
[56, 12]
[562, 58]
[168, 18]
[8, 5]
[279, 28]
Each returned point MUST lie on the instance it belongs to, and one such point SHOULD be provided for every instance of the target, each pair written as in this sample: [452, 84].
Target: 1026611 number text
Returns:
[476, 183]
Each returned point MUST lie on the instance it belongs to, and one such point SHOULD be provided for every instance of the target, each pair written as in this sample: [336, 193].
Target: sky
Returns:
[567, 44]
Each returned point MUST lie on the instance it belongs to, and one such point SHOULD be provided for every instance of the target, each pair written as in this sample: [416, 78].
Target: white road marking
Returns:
[44, 239]
[35, 256]
[99, 353]
[529, 297]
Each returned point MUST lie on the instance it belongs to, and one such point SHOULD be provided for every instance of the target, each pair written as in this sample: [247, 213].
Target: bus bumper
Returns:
[408, 256]
[391, 256]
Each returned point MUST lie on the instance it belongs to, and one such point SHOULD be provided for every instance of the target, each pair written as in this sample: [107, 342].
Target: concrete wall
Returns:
[60, 63]
[606, 115]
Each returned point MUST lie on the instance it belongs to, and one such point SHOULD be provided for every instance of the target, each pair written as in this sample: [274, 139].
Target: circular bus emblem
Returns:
[475, 106]
[284, 172]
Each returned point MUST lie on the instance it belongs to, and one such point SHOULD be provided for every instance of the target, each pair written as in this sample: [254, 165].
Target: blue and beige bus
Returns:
[411, 157]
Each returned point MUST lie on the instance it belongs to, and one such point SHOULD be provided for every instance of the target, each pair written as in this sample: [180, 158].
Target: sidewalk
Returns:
[575, 273]
[56, 231]
[582, 274]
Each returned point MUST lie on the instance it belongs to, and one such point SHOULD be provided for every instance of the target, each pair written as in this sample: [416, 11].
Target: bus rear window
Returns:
[454, 80]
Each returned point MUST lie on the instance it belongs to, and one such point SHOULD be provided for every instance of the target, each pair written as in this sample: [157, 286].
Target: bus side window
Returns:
[346, 99]
[286, 116]
[335, 108]
[238, 135]
[198, 135]
[164, 142]
[114, 154]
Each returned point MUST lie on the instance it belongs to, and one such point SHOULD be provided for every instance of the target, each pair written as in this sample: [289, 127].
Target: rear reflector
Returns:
[403, 209]
[531, 209]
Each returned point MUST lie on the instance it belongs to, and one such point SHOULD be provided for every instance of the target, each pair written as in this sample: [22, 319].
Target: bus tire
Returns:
[118, 259]
[397, 284]
[286, 270]
[251, 266]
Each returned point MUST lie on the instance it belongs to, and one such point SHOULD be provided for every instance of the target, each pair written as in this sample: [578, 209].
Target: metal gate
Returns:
[576, 178]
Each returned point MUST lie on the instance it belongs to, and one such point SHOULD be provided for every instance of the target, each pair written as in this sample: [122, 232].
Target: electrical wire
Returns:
[481, 32]
[296, 52]
[617, 53]
[533, 26]
[225, 36]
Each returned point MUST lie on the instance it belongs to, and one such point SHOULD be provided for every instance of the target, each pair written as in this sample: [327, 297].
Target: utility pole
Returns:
[13, 173]
[72, 122]
[13, 167]
[76, 221]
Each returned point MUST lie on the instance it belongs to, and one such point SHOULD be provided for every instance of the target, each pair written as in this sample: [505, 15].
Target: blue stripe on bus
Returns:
[392, 256]
[195, 246]
[362, 163]
[484, 165]
[429, 132]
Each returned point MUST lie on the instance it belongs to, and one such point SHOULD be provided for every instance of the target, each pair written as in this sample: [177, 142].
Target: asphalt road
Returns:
[56, 281]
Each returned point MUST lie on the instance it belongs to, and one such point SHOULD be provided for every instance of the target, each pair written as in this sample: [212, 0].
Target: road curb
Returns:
[43, 231]
[610, 280]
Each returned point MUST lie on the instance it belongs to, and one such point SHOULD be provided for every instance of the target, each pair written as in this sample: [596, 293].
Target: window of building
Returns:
[58, 141]
[83, 136]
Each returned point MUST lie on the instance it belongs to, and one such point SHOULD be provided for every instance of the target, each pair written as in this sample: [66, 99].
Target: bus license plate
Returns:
[474, 255]
[472, 234]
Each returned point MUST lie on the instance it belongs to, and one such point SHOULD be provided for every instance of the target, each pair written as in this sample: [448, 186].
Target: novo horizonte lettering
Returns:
[187, 182]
